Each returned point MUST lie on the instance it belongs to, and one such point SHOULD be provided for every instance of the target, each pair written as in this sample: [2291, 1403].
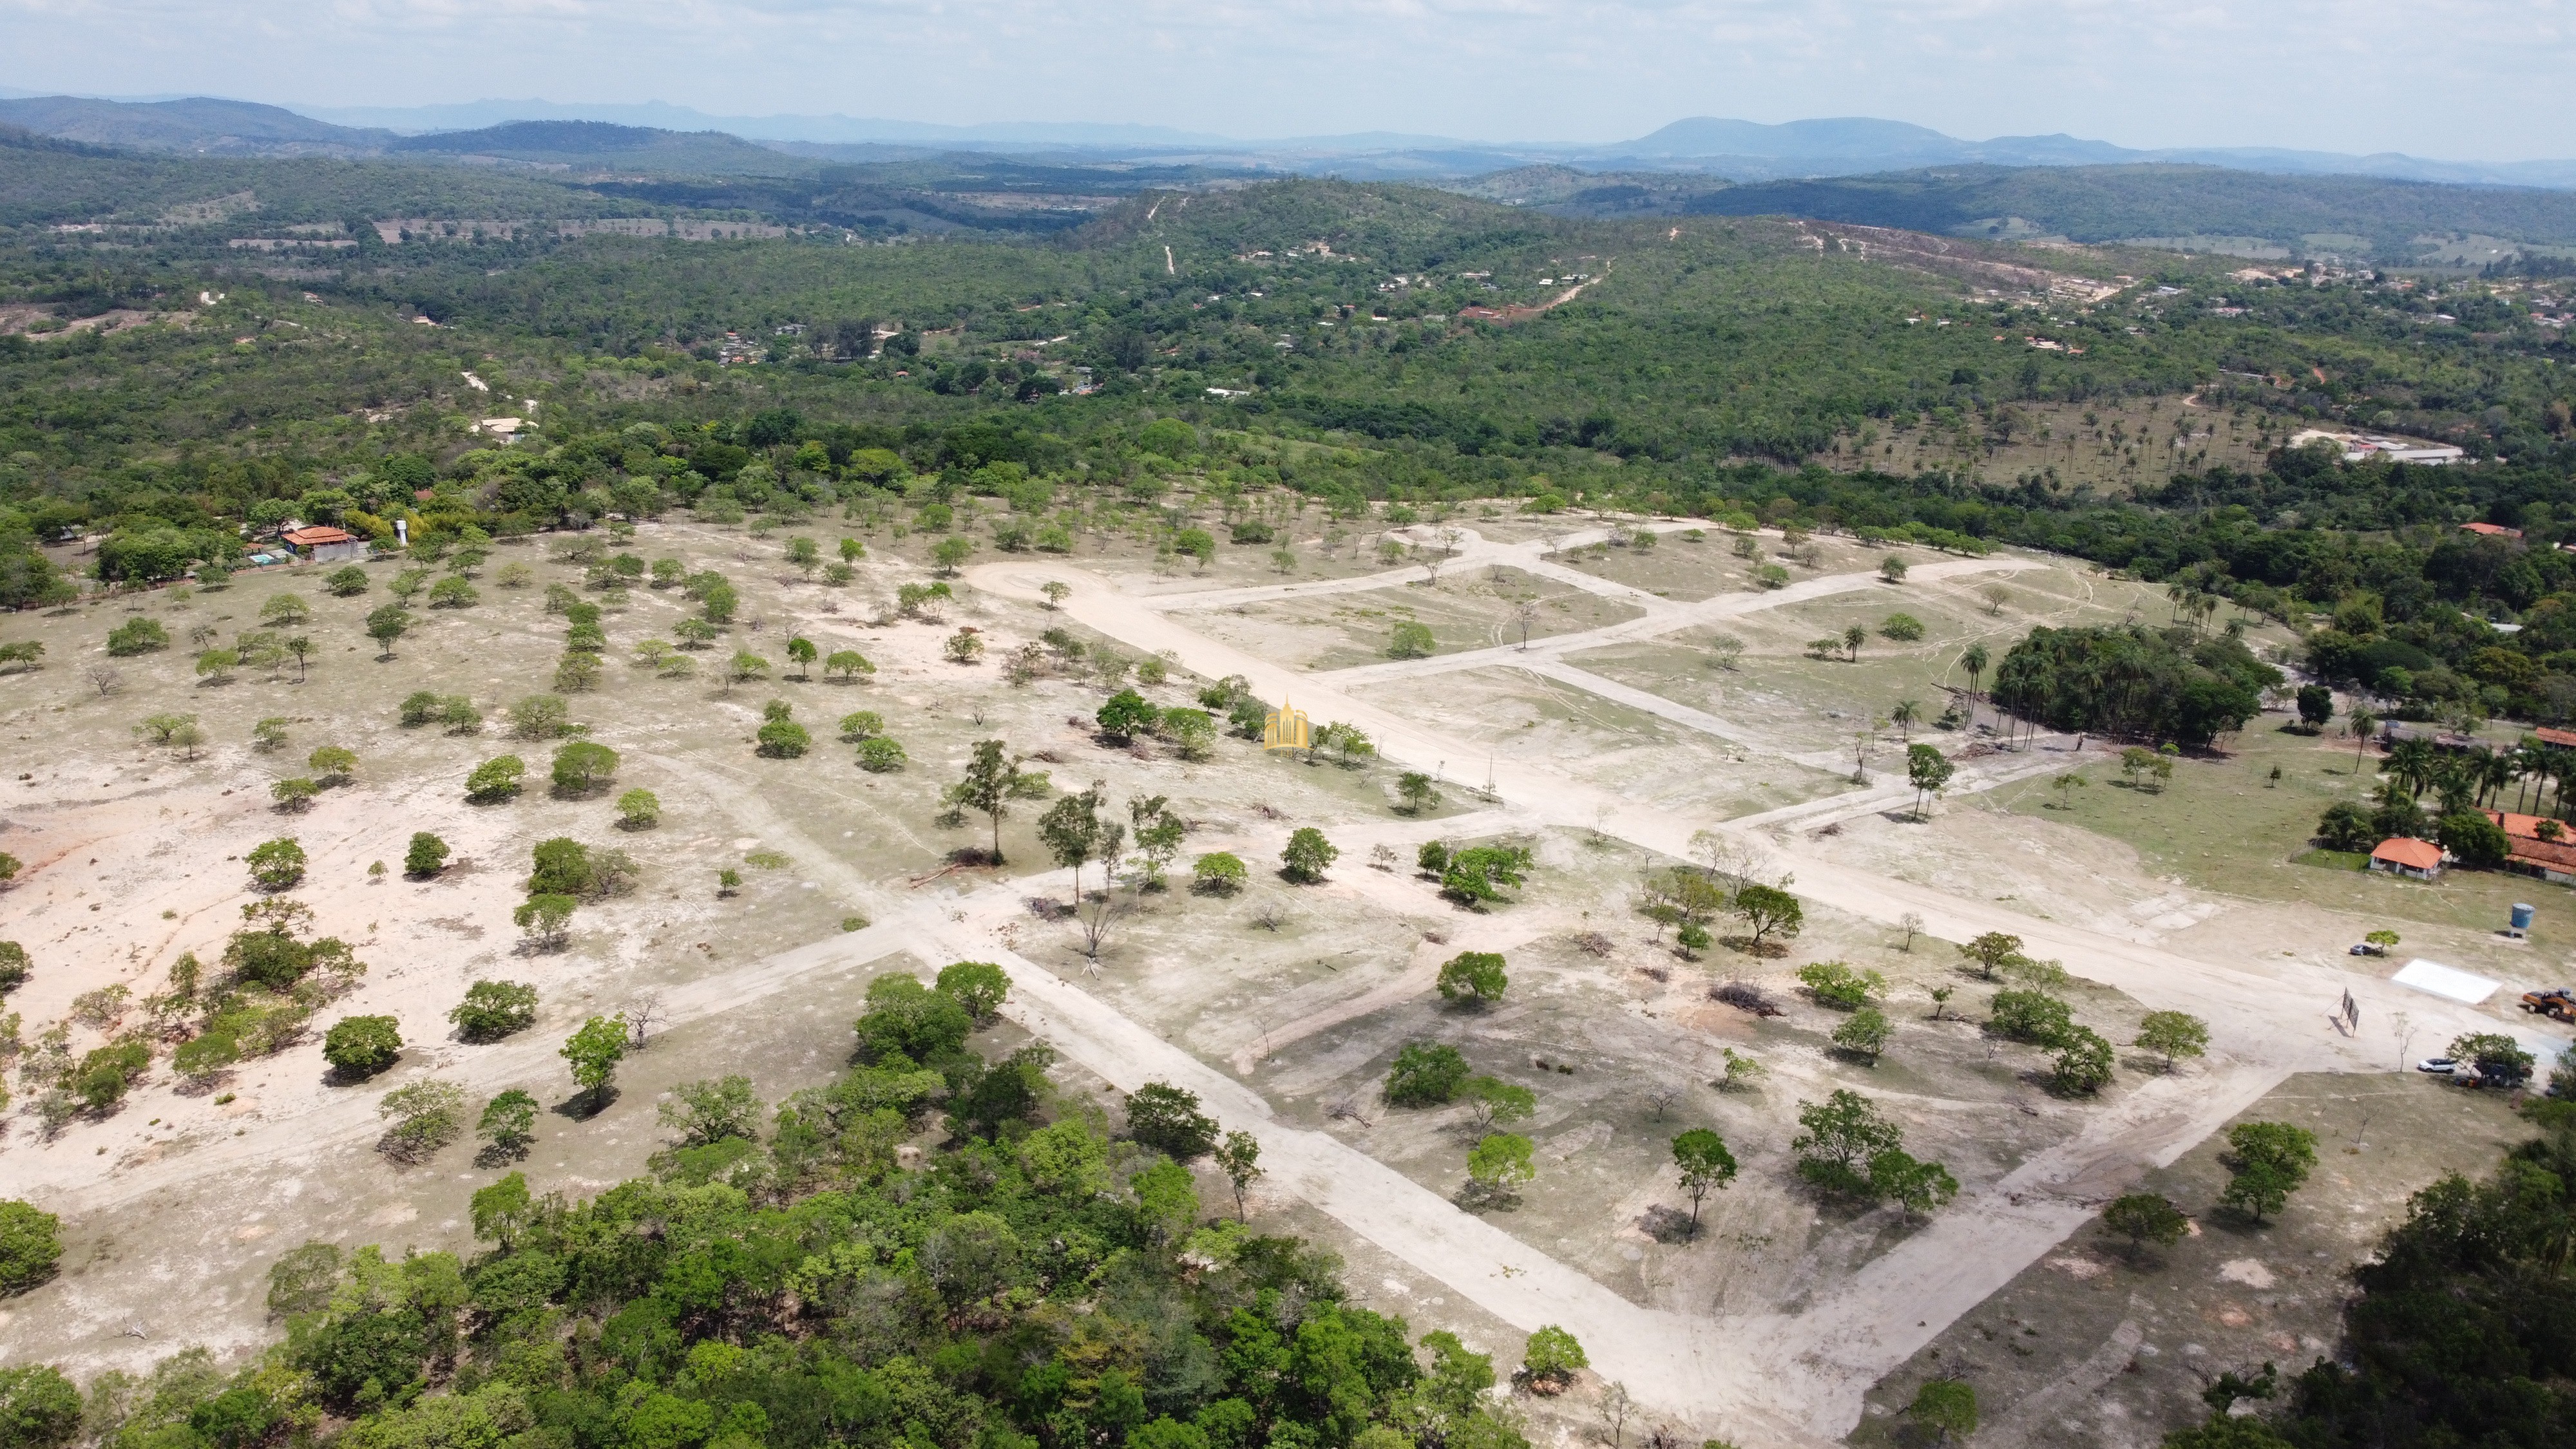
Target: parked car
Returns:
[2439, 1066]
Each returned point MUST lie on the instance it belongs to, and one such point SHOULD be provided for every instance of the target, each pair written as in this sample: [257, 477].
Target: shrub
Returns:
[492, 1010]
[358, 1047]
[296, 794]
[276, 865]
[1126, 715]
[1425, 1074]
[14, 969]
[347, 582]
[783, 739]
[880, 755]
[561, 866]
[2477, 842]
[1410, 639]
[1481, 873]
[104, 1074]
[1217, 873]
[1904, 628]
[862, 724]
[1835, 984]
[495, 779]
[426, 857]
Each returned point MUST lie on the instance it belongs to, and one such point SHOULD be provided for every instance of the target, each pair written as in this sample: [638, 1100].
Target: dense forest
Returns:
[1041, 1285]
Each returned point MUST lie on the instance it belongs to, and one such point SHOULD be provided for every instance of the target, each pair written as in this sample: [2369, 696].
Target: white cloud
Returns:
[2468, 78]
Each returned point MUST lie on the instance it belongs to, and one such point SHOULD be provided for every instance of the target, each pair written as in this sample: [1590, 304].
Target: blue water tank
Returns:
[2521, 917]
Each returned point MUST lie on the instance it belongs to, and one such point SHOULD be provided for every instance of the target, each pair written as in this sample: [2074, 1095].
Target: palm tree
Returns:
[1973, 660]
[2361, 719]
[2410, 762]
[2496, 770]
[1903, 714]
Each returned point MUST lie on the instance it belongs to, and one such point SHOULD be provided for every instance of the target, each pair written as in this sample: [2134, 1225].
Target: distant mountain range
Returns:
[1742, 151]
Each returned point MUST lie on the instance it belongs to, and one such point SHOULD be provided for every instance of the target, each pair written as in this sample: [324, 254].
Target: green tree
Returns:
[594, 1052]
[1417, 792]
[2172, 1034]
[1239, 1158]
[508, 1125]
[1836, 984]
[492, 1010]
[276, 865]
[1126, 715]
[1892, 569]
[426, 1116]
[1425, 1074]
[1308, 855]
[1768, 911]
[386, 625]
[296, 795]
[1837, 1138]
[993, 780]
[801, 653]
[2266, 1162]
[1168, 1119]
[495, 779]
[1218, 873]
[1497, 1102]
[346, 582]
[39, 1408]
[639, 809]
[137, 636]
[1499, 1164]
[2145, 1217]
[426, 856]
[2080, 1061]
[333, 764]
[2499, 1059]
[1944, 1407]
[1864, 1033]
[880, 755]
[1411, 639]
[1990, 951]
[1928, 771]
[1474, 978]
[979, 986]
[1551, 1359]
[583, 766]
[1480, 873]
[1706, 1166]
[2030, 1016]
[544, 919]
[849, 664]
[359, 1047]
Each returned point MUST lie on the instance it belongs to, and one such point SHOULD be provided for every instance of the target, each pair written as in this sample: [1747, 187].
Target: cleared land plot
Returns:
[2098, 1346]
[2223, 825]
[1527, 716]
[1466, 609]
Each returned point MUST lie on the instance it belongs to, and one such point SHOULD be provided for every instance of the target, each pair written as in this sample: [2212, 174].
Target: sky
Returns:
[2456, 79]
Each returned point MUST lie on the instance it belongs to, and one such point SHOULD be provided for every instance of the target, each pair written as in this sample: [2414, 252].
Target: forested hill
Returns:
[2112, 203]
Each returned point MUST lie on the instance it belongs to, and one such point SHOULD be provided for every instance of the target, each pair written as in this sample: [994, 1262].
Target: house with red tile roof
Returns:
[2400, 855]
[2540, 846]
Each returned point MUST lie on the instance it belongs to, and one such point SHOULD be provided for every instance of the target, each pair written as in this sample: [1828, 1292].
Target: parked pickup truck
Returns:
[2556, 1002]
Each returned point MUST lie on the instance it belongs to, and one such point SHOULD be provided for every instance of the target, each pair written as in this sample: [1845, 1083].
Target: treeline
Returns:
[2156, 684]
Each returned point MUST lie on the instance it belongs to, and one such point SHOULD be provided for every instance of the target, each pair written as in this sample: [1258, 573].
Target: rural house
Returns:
[2420, 859]
[2541, 846]
[324, 544]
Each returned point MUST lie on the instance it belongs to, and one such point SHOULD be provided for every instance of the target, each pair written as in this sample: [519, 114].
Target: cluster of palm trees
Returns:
[2465, 779]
